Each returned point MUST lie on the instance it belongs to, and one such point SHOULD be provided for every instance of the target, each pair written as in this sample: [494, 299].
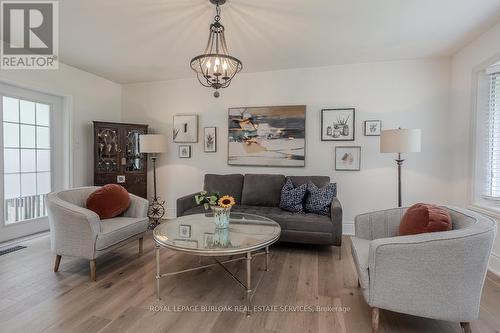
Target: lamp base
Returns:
[156, 212]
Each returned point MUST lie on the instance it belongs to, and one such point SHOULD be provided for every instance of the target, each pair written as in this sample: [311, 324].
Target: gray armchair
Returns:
[437, 275]
[78, 232]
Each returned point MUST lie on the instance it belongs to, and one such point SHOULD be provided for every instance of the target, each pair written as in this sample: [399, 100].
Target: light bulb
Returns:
[224, 65]
[208, 64]
[217, 62]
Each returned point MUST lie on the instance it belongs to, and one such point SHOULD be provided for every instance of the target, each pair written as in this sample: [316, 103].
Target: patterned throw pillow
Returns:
[318, 200]
[292, 198]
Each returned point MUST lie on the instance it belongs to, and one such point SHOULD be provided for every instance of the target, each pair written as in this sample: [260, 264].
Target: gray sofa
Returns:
[260, 194]
[437, 275]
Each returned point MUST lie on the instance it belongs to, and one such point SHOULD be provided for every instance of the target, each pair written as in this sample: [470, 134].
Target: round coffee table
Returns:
[247, 234]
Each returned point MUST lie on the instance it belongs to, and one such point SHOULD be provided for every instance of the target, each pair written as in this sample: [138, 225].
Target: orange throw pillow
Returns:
[421, 218]
[109, 201]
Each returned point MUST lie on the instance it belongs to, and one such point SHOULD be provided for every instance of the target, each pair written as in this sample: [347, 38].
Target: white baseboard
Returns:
[348, 228]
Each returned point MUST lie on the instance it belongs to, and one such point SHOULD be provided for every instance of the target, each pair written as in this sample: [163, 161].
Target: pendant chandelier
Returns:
[215, 68]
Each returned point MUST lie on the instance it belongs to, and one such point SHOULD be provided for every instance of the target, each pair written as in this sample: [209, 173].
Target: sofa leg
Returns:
[359, 284]
[375, 320]
[141, 245]
[92, 270]
[57, 262]
[466, 327]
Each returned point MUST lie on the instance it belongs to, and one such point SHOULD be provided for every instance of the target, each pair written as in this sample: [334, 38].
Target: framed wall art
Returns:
[337, 124]
[210, 139]
[373, 127]
[184, 151]
[267, 136]
[185, 128]
[348, 158]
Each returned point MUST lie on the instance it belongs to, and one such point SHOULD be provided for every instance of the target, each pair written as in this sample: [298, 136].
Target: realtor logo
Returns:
[29, 34]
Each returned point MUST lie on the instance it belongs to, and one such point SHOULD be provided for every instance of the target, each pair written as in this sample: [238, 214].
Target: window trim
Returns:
[475, 199]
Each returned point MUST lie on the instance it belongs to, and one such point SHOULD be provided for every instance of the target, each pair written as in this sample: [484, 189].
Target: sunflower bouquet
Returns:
[214, 199]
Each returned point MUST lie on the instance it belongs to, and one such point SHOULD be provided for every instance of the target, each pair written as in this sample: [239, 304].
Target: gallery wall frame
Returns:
[347, 158]
[267, 136]
[338, 124]
[185, 128]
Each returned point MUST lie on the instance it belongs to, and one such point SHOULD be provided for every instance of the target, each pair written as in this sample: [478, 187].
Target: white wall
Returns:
[88, 97]
[482, 52]
[411, 94]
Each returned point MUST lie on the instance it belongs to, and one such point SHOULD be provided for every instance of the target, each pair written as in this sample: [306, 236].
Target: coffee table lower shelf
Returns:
[248, 257]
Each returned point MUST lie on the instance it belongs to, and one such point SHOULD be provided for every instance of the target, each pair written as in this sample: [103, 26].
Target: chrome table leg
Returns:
[249, 280]
[267, 258]
[157, 251]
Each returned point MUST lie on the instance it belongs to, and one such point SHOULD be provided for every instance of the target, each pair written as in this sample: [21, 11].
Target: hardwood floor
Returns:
[35, 299]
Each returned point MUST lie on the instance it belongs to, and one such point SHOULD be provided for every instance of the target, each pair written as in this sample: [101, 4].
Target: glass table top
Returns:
[197, 234]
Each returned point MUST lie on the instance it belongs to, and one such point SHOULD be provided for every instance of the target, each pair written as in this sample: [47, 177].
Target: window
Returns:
[27, 158]
[492, 179]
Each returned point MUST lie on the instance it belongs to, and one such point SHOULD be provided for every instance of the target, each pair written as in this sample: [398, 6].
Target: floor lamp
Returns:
[400, 141]
[154, 144]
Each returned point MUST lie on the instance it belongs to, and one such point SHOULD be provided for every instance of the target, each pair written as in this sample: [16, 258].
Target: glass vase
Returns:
[221, 217]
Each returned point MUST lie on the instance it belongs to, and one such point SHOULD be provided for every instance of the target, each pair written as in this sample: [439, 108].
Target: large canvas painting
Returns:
[267, 136]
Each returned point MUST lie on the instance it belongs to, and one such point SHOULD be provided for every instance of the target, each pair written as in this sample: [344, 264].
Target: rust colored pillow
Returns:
[109, 201]
[421, 218]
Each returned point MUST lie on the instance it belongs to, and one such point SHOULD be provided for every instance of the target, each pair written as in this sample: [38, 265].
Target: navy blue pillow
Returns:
[318, 200]
[292, 198]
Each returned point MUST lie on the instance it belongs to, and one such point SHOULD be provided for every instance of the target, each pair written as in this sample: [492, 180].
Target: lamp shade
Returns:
[400, 141]
[152, 143]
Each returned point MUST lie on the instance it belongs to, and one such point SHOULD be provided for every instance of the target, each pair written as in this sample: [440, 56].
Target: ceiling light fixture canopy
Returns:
[215, 68]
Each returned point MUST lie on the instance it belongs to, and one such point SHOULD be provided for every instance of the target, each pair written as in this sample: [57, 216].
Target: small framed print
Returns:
[185, 128]
[210, 139]
[184, 231]
[337, 124]
[120, 179]
[185, 151]
[348, 158]
[373, 127]
[208, 239]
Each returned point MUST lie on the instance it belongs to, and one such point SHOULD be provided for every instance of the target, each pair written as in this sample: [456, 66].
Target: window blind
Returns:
[492, 174]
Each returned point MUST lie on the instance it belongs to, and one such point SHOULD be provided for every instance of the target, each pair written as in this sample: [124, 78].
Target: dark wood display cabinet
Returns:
[116, 156]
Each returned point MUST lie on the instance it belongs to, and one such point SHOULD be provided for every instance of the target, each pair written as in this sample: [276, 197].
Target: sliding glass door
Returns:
[32, 148]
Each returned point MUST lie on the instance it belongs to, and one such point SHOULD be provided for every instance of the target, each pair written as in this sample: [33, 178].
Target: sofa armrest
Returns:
[73, 229]
[380, 224]
[138, 207]
[436, 275]
[185, 203]
[336, 218]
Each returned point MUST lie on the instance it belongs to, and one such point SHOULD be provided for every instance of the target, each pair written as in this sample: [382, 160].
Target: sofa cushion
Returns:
[318, 200]
[109, 201]
[225, 184]
[360, 252]
[119, 229]
[319, 181]
[292, 198]
[287, 220]
[422, 218]
[262, 190]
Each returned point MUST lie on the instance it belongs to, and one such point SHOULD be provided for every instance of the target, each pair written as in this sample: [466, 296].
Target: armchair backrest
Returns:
[77, 196]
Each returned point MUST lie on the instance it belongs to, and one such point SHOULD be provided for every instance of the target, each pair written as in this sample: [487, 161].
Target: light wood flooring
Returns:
[35, 299]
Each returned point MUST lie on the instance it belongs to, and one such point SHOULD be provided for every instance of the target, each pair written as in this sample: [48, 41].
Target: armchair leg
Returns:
[92, 270]
[141, 245]
[466, 327]
[375, 320]
[340, 253]
[57, 262]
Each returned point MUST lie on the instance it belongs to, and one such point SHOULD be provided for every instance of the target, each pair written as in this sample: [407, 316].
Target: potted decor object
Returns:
[221, 206]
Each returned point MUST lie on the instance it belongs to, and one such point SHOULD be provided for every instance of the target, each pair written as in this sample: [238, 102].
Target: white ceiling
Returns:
[149, 40]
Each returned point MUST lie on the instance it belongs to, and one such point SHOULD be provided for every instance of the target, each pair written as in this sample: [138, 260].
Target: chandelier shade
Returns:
[215, 68]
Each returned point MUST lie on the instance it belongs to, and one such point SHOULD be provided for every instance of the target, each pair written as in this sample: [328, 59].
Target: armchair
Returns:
[437, 275]
[78, 232]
